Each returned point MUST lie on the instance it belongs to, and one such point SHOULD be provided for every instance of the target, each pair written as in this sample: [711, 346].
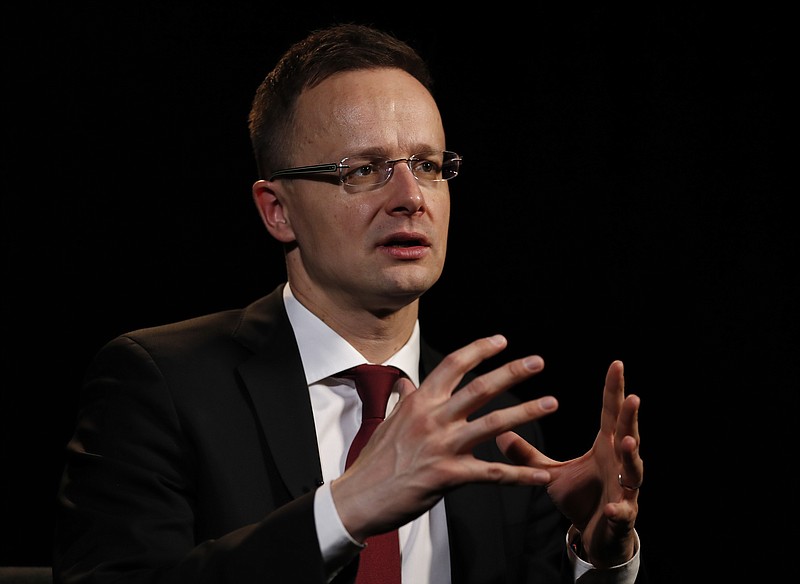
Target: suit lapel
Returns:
[477, 551]
[276, 383]
[475, 532]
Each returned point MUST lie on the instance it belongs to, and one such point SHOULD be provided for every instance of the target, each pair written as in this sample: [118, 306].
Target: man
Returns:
[213, 450]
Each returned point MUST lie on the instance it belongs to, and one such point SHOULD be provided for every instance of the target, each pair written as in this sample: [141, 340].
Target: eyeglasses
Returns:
[365, 172]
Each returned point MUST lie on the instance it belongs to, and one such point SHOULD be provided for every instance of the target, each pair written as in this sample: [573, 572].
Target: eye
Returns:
[362, 171]
[426, 168]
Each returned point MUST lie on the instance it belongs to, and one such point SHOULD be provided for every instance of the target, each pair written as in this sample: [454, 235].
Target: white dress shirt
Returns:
[424, 545]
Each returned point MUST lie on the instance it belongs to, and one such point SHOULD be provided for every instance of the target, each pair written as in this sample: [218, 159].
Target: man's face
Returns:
[378, 249]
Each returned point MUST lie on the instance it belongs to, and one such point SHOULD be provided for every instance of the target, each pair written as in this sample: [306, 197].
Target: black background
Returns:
[619, 199]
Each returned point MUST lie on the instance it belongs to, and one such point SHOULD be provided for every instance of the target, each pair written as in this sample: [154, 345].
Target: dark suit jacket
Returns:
[195, 460]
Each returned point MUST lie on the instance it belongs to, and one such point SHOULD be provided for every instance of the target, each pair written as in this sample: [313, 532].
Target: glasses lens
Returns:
[427, 165]
[359, 171]
[451, 165]
[435, 166]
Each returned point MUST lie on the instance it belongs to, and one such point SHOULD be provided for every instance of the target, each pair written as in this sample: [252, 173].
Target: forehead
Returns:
[376, 110]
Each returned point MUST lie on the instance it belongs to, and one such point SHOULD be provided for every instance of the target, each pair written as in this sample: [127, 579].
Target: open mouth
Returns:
[406, 240]
[404, 243]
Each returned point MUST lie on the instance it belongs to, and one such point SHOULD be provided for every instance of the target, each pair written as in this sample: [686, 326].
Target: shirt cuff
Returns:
[588, 574]
[337, 546]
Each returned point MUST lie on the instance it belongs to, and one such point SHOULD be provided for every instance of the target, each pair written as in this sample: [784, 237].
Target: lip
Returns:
[405, 245]
[403, 238]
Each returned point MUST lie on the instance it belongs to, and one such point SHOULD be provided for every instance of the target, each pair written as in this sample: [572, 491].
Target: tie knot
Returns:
[374, 383]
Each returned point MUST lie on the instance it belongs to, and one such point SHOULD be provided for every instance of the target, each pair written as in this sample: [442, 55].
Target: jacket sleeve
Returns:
[126, 508]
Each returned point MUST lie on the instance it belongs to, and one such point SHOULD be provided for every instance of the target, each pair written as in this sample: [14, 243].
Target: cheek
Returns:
[345, 222]
[439, 209]
[360, 213]
[319, 216]
[445, 208]
[337, 227]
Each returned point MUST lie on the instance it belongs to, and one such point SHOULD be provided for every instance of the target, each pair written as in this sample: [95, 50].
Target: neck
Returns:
[376, 334]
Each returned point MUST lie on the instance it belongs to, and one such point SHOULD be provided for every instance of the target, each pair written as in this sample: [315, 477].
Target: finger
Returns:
[628, 420]
[498, 472]
[449, 373]
[520, 451]
[632, 473]
[622, 515]
[404, 387]
[613, 396]
[485, 387]
[497, 422]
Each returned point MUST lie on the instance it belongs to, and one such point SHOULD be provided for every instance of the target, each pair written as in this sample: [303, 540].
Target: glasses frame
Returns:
[316, 169]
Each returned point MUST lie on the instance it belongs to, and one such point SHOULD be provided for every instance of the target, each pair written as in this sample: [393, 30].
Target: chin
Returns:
[411, 278]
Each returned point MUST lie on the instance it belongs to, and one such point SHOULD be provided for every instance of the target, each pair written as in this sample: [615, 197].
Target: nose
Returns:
[406, 195]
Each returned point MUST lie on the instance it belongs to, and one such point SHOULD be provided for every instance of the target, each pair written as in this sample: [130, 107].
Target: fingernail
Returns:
[548, 403]
[541, 475]
[534, 363]
[497, 339]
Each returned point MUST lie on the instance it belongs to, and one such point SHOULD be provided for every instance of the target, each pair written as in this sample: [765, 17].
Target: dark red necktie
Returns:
[379, 562]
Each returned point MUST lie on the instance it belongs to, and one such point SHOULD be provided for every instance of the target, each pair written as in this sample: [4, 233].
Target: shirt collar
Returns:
[325, 353]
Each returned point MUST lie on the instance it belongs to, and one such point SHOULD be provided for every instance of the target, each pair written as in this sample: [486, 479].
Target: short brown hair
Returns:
[323, 53]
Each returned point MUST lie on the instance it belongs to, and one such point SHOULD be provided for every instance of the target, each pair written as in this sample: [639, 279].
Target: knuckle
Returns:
[480, 387]
[457, 360]
[494, 473]
[493, 421]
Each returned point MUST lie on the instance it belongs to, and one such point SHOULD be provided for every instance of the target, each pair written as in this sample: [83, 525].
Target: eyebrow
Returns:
[383, 153]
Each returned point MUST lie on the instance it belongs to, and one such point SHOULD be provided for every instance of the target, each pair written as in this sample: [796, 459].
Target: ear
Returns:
[272, 211]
